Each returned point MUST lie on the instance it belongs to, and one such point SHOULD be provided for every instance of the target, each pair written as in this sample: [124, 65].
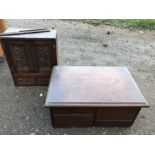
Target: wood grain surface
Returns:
[30, 57]
[43, 35]
[93, 86]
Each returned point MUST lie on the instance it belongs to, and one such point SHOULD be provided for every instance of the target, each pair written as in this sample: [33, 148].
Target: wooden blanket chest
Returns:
[86, 96]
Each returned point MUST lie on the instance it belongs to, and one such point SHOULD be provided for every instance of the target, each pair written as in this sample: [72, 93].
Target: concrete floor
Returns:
[21, 108]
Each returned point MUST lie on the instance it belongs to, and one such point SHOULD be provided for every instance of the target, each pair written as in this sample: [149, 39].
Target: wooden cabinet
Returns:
[31, 57]
[86, 96]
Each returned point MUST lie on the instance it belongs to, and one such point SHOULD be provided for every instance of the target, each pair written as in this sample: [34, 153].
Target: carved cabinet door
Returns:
[43, 55]
[30, 56]
[18, 55]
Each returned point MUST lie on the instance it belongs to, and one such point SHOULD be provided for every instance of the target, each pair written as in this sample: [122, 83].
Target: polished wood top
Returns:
[43, 35]
[93, 86]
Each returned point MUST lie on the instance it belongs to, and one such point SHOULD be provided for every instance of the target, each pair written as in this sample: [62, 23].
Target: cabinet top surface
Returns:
[42, 35]
[93, 86]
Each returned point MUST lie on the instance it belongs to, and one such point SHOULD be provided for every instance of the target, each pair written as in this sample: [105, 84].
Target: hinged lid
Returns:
[93, 86]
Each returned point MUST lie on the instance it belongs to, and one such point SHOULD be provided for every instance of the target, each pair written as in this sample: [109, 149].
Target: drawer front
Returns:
[73, 120]
[29, 81]
[116, 123]
[73, 110]
[116, 113]
[42, 81]
[24, 81]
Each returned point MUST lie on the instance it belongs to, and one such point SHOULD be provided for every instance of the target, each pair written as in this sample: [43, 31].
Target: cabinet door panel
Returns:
[44, 54]
[18, 55]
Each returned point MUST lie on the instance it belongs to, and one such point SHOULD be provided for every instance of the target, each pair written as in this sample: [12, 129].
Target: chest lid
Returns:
[93, 86]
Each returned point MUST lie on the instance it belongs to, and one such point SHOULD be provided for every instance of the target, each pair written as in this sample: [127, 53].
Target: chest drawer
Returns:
[73, 110]
[73, 120]
[72, 117]
[116, 113]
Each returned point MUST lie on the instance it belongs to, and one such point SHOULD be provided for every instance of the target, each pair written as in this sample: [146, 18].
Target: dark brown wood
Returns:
[87, 117]
[32, 36]
[72, 119]
[115, 116]
[73, 111]
[114, 123]
[116, 113]
[30, 57]
[25, 32]
[83, 86]
[33, 30]
[106, 96]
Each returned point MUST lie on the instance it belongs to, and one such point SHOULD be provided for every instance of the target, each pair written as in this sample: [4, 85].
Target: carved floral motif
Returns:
[18, 53]
[43, 57]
